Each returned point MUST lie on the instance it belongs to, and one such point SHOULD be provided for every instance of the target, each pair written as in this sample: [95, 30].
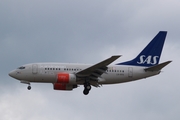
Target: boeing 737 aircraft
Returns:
[67, 76]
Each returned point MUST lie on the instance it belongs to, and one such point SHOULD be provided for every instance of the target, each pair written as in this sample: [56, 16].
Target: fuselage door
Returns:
[34, 68]
[130, 72]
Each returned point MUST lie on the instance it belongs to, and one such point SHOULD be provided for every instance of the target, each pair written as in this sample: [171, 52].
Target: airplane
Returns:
[68, 76]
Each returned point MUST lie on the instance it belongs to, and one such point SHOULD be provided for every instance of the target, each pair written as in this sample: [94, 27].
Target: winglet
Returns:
[157, 67]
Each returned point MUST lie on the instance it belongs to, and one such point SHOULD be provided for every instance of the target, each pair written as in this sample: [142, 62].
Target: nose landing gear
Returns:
[27, 82]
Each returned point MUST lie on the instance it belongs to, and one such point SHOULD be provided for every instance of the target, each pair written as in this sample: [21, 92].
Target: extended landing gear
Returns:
[29, 87]
[26, 82]
[87, 88]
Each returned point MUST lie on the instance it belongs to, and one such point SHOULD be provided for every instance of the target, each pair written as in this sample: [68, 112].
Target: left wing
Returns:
[92, 73]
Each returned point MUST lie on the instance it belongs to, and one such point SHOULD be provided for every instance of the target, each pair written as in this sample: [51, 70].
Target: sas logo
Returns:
[148, 60]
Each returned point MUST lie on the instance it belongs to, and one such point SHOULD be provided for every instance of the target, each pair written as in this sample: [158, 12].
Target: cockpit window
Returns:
[22, 67]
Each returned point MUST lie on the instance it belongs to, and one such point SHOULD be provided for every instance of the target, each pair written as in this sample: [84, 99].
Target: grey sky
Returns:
[88, 32]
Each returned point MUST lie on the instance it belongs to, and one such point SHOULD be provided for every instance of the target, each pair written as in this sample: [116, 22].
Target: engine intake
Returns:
[66, 78]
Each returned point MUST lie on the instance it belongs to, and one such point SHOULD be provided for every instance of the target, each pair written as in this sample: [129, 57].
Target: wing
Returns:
[92, 73]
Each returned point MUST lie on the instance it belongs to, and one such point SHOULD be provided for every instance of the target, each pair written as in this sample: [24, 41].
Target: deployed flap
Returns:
[157, 67]
[97, 69]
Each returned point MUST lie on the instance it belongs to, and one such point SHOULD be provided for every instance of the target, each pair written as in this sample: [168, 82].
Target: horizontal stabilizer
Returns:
[157, 67]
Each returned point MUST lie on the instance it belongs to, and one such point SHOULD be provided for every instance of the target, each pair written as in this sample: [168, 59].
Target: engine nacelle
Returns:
[66, 78]
[61, 86]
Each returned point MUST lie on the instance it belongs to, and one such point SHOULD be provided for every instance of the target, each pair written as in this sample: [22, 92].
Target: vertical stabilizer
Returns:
[151, 54]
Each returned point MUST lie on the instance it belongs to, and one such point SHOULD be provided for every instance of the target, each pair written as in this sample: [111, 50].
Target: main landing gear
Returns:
[87, 88]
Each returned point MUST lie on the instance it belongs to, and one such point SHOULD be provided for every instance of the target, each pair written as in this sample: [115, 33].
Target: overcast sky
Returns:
[84, 31]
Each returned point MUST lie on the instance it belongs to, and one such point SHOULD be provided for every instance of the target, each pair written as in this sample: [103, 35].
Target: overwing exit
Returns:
[68, 76]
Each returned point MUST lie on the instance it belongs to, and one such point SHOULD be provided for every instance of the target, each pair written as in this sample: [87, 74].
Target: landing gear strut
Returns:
[29, 85]
[87, 88]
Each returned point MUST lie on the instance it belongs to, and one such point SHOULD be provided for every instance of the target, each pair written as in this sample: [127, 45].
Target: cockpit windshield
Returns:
[22, 67]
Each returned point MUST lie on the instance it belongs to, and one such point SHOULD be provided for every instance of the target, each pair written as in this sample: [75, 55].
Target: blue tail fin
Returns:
[151, 54]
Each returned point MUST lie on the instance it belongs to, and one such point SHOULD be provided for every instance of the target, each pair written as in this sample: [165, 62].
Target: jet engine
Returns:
[61, 86]
[66, 78]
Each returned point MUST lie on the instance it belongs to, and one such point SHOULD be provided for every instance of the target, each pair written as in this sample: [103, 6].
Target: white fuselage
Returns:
[47, 72]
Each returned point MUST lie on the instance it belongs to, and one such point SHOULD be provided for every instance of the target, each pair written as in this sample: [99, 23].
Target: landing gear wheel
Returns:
[29, 87]
[86, 92]
[87, 88]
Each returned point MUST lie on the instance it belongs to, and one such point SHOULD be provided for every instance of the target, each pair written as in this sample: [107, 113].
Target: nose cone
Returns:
[12, 74]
